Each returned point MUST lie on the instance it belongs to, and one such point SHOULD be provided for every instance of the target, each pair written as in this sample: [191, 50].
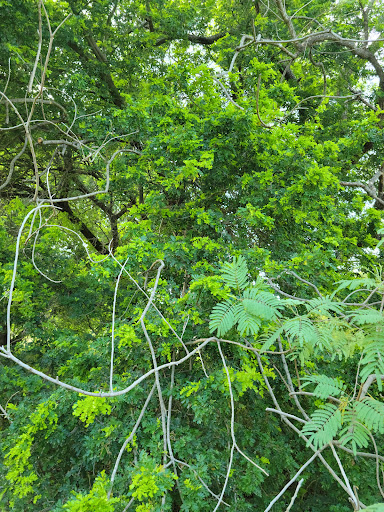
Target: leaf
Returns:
[247, 323]
[355, 284]
[322, 306]
[377, 507]
[326, 386]
[371, 413]
[366, 316]
[223, 317]
[354, 431]
[303, 330]
[323, 426]
[271, 339]
[235, 273]
[262, 304]
[373, 361]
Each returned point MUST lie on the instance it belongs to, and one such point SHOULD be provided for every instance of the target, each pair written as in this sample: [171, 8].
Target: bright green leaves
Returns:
[371, 413]
[248, 378]
[192, 169]
[353, 421]
[96, 499]
[235, 273]
[127, 336]
[89, 407]
[224, 317]
[377, 507]
[21, 473]
[150, 482]
[372, 361]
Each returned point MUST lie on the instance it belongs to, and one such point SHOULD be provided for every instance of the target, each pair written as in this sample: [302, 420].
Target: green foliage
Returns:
[150, 482]
[96, 499]
[20, 472]
[354, 421]
[326, 386]
[89, 407]
[248, 310]
[323, 426]
[235, 274]
[378, 507]
[218, 149]
[372, 361]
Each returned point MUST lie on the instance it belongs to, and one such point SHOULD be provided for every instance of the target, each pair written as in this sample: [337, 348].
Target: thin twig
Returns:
[295, 495]
[129, 438]
[311, 459]
[113, 324]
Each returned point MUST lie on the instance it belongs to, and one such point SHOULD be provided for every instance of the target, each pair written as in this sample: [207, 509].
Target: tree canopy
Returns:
[192, 197]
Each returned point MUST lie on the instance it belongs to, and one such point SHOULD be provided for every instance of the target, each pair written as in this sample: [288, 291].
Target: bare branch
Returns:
[309, 461]
[369, 190]
[130, 437]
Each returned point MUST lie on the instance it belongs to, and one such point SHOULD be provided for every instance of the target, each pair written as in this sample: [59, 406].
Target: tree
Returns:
[144, 144]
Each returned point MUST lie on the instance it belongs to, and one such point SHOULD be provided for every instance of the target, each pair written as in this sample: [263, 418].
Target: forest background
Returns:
[192, 196]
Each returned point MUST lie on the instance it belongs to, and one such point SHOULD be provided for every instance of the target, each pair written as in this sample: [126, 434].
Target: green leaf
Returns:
[377, 507]
[322, 306]
[371, 413]
[262, 304]
[366, 316]
[373, 361]
[354, 432]
[355, 284]
[235, 273]
[323, 426]
[223, 317]
[326, 386]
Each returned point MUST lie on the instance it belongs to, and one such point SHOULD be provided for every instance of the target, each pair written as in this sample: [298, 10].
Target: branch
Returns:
[369, 190]
[295, 495]
[8, 355]
[12, 164]
[286, 415]
[104, 74]
[32, 100]
[364, 389]
[358, 454]
[129, 438]
[202, 481]
[311, 459]
[193, 38]
[84, 230]
[257, 105]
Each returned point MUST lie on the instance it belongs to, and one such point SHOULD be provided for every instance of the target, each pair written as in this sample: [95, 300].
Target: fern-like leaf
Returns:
[354, 432]
[326, 386]
[235, 273]
[302, 329]
[223, 317]
[261, 304]
[373, 361]
[323, 426]
[355, 284]
[271, 340]
[371, 412]
[248, 323]
[322, 306]
[366, 316]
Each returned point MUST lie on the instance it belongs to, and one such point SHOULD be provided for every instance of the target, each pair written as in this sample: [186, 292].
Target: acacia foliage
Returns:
[206, 147]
